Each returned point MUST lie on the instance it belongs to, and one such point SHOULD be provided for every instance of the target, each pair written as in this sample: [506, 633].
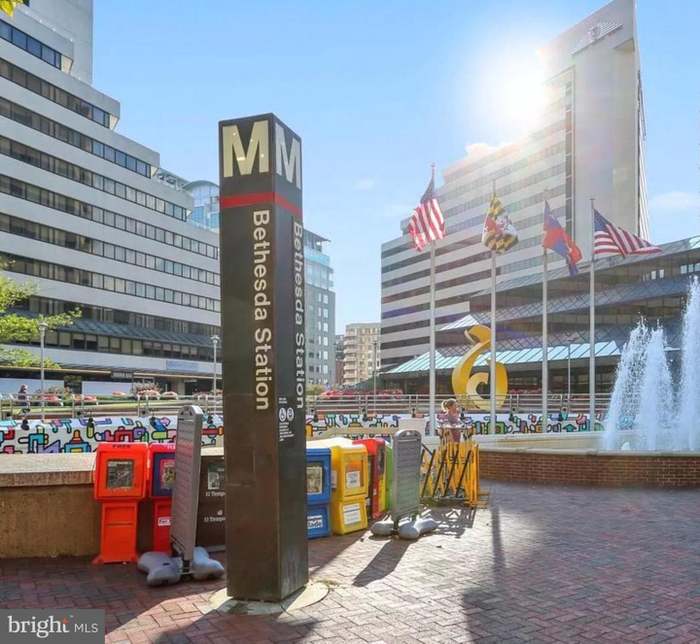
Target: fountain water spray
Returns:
[688, 436]
[643, 411]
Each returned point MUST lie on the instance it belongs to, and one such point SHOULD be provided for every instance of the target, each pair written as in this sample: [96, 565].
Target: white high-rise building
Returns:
[589, 143]
[361, 357]
[90, 217]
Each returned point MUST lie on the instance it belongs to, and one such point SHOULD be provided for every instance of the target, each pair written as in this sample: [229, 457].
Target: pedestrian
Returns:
[23, 399]
[451, 422]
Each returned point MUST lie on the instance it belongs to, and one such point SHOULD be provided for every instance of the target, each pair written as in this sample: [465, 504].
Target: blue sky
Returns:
[377, 92]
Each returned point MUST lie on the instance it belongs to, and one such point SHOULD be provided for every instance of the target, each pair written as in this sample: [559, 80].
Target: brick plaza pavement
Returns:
[541, 564]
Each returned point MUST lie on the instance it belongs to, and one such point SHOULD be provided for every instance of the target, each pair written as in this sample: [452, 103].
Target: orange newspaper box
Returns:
[120, 483]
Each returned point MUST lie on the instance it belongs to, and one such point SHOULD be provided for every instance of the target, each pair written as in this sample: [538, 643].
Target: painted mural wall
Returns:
[79, 435]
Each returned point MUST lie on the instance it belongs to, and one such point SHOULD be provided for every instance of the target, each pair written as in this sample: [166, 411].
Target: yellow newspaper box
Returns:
[348, 472]
[349, 481]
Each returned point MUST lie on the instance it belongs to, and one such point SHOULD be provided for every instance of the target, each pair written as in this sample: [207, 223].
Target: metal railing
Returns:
[516, 403]
[71, 406]
[56, 405]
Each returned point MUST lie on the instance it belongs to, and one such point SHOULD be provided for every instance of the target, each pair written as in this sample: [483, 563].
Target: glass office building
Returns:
[205, 204]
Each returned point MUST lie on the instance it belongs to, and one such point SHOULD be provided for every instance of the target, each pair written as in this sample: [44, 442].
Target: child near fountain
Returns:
[451, 421]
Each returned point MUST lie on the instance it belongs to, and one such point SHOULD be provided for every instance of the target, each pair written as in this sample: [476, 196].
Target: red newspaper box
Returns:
[161, 457]
[376, 452]
[120, 483]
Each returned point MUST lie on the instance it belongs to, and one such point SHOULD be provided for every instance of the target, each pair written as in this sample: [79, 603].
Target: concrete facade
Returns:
[89, 217]
[361, 357]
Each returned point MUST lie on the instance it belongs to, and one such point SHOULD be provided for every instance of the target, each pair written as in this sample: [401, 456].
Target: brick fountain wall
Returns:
[591, 467]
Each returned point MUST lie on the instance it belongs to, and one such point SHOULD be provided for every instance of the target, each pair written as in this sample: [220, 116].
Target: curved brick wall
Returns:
[588, 467]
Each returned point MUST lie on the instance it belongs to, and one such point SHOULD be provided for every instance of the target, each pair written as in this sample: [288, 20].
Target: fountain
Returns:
[644, 415]
[652, 428]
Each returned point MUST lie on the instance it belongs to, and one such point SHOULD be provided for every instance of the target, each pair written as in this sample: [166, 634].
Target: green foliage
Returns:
[314, 390]
[16, 328]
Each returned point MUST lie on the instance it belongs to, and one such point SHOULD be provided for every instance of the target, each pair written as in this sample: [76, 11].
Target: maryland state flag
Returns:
[8, 6]
[499, 233]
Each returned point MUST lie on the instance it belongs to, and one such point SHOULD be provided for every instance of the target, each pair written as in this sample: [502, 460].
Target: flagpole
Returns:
[431, 382]
[433, 428]
[545, 341]
[591, 315]
[492, 375]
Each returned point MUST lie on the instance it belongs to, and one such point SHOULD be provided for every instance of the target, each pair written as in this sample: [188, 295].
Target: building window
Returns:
[53, 93]
[58, 131]
[18, 188]
[72, 275]
[32, 45]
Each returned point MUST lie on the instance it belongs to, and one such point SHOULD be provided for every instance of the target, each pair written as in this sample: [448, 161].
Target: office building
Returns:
[361, 356]
[588, 142]
[320, 312]
[650, 287]
[92, 219]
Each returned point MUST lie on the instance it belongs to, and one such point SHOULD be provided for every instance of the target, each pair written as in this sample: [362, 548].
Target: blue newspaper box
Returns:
[318, 491]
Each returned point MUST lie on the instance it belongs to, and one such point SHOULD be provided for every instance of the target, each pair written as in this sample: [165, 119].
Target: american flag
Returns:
[609, 239]
[427, 224]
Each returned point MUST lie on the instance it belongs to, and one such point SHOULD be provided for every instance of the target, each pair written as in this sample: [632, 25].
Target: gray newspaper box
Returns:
[188, 448]
[405, 494]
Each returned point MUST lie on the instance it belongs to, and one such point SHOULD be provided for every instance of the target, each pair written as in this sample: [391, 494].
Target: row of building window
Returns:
[466, 279]
[32, 45]
[65, 239]
[48, 306]
[53, 93]
[75, 340]
[71, 275]
[61, 132]
[35, 194]
[74, 172]
[542, 133]
[409, 326]
[488, 180]
[511, 209]
[466, 261]
[505, 171]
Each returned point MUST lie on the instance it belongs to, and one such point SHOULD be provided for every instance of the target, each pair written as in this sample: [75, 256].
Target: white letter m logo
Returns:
[233, 149]
[290, 162]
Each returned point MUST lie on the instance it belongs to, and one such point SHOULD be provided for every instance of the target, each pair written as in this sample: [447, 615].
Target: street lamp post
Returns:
[374, 375]
[215, 342]
[42, 335]
[568, 373]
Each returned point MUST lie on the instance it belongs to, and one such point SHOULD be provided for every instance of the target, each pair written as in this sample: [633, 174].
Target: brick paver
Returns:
[541, 564]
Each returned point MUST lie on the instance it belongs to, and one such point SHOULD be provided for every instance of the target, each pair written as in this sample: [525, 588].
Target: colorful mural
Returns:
[505, 423]
[66, 435]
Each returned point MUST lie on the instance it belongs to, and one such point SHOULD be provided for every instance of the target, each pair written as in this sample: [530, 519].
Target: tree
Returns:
[17, 328]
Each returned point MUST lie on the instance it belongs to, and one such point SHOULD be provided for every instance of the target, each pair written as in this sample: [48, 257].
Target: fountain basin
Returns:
[577, 459]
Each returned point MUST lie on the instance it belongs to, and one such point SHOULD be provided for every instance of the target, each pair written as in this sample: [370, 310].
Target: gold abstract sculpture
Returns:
[465, 383]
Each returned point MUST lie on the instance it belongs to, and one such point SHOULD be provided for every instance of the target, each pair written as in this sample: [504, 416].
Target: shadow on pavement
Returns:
[384, 562]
